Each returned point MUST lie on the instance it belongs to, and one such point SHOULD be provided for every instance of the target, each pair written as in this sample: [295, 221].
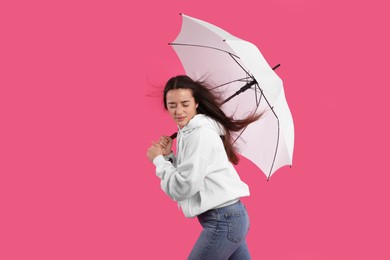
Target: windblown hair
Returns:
[209, 105]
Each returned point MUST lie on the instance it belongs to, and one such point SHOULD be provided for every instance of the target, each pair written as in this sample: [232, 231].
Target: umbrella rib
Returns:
[277, 141]
[258, 100]
[251, 76]
[278, 134]
[201, 46]
[230, 82]
[276, 149]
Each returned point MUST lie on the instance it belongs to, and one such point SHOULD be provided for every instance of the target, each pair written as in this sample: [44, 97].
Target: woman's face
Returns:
[181, 106]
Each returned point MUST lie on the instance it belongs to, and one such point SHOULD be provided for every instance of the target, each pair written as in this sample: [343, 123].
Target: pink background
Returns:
[78, 111]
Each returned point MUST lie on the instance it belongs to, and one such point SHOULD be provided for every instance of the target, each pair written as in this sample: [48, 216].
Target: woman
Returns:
[201, 177]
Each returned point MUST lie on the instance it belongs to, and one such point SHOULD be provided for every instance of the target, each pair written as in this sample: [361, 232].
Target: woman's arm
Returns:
[183, 180]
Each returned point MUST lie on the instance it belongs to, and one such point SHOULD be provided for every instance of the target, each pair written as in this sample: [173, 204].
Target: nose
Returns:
[179, 110]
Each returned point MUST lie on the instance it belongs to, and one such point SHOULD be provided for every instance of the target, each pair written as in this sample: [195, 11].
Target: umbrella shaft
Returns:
[244, 88]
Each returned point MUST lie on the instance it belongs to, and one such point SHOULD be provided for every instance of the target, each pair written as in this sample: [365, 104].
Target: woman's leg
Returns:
[223, 234]
[242, 253]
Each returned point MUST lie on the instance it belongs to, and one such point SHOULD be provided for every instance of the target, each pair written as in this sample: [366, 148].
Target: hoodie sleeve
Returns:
[187, 178]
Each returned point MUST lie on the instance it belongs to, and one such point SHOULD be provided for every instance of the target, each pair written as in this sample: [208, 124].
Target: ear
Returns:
[197, 104]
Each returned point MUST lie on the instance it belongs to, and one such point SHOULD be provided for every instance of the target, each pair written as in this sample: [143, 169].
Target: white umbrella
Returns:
[240, 73]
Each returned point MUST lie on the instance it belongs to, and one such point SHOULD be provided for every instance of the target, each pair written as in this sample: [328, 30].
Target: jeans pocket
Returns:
[237, 226]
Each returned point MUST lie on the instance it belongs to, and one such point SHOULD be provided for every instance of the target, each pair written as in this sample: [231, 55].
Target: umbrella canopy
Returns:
[209, 53]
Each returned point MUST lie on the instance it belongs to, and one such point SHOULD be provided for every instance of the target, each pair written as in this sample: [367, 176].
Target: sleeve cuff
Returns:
[159, 159]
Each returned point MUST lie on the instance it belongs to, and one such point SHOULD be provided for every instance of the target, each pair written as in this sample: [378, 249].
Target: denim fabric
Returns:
[223, 234]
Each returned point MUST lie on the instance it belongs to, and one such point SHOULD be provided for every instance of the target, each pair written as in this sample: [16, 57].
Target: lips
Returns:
[180, 118]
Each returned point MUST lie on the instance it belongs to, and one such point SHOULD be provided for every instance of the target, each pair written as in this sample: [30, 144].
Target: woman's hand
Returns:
[154, 151]
[165, 143]
[162, 147]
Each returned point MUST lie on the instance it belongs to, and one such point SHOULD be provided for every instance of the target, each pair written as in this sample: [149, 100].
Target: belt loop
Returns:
[216, 213]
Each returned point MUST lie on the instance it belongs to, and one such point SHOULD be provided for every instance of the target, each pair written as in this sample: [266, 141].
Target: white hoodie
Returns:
[201, 176]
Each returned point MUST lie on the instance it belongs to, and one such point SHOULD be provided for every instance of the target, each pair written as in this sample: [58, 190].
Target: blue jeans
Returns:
[223, 234]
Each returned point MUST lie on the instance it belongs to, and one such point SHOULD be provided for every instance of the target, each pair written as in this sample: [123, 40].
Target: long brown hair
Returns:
[209, 105]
